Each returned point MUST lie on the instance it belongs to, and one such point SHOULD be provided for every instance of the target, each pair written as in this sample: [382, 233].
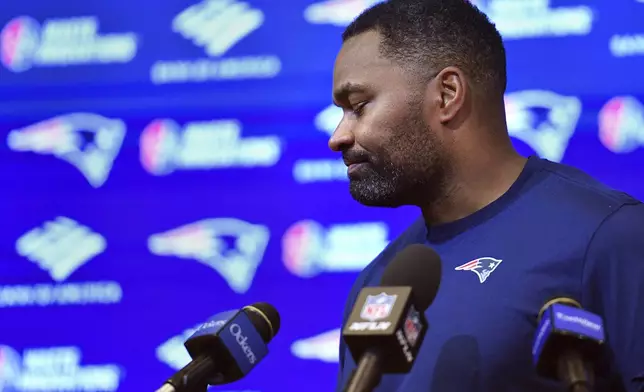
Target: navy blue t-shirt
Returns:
[556, 232]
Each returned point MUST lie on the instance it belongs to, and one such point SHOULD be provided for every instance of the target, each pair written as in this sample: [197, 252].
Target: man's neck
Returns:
[474, 184]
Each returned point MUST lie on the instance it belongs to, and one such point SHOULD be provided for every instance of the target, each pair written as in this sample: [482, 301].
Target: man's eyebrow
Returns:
[342, 93]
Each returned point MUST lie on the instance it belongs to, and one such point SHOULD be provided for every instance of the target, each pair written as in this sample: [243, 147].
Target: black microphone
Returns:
[567, 344]
[387, 324]
[226, 348]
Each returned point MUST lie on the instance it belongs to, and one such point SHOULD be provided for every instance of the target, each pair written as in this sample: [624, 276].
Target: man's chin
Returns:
[374, 195]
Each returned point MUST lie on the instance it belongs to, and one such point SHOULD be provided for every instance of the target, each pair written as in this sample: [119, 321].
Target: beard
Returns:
[409, 169]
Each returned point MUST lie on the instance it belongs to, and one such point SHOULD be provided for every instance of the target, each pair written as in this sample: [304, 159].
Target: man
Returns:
[421, 83]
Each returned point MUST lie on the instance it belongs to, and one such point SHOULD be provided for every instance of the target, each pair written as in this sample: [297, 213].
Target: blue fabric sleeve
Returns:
[613, 287]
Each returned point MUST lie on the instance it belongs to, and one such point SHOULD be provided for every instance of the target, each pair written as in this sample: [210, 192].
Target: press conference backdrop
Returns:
[166, 160]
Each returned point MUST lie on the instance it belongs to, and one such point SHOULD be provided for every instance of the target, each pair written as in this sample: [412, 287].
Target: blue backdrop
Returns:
[166, 160]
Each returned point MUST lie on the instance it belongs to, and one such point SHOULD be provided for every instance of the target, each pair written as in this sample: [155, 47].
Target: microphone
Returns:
[387, 324]
[226, 348]
[567, 344]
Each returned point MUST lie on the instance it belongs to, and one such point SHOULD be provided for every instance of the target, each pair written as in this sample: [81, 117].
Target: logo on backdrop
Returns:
[543, 120]
[24, 43]
[323, 347]
[89, 142]
[627, 45]
[60, 247]
[337, 12]
[54, 369]
[621, 125]
[329, 119]
[309, 249]
[377, 307]
[482, 267]
[165, 147]
[217, 26]
[521, 19]
[309, 171]
[173, 353]
[230, 246]
[306, 171]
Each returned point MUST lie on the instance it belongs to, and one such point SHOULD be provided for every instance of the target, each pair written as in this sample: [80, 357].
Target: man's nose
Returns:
[342, 138]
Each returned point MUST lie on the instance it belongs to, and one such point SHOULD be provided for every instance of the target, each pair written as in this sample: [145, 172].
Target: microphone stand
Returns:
[574, 371]
[169, 388]
[367, 376]
[192, 378]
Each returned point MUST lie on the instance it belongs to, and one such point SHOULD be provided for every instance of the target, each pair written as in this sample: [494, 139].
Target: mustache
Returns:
[351, 157]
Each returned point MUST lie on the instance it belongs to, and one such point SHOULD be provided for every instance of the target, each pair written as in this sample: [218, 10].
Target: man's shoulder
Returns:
[577, 192]
[415, 234]
[622, 230]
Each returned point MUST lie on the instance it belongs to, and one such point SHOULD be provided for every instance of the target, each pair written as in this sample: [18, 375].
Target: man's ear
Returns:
[448, 90]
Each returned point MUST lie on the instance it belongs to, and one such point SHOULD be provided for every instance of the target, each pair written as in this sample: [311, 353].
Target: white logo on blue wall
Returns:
[336, 12]
[217, 26]
[232, 247]
[543, 120]
[55, 369]
[526, 19]
[88, 141]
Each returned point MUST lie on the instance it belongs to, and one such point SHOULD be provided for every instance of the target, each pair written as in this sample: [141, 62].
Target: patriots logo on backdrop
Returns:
[11, 369]
[322, 347]
[88, 141]
[230, 246]
[543, 120]
[377, 307]
[329, 119]
[482, 267]
[172, 352]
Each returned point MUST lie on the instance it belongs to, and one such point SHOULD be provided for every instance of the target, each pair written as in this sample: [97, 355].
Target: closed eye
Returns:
[358, 109]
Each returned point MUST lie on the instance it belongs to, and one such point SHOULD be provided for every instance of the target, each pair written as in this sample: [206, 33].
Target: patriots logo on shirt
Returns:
[482, 267]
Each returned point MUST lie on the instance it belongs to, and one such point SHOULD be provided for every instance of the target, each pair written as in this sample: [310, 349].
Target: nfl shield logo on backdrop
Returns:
[377, 307]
